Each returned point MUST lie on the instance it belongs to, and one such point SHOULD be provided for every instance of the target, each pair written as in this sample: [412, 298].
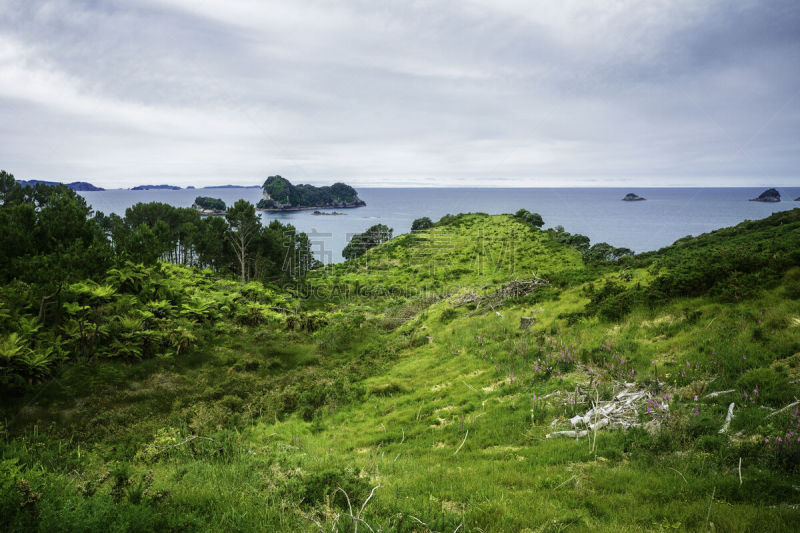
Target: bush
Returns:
[791, 282]
[421, 223]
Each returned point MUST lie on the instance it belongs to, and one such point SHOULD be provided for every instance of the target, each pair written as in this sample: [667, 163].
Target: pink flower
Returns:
[695, 398]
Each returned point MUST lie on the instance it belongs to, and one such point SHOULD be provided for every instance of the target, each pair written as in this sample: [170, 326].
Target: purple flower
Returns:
[695, 397]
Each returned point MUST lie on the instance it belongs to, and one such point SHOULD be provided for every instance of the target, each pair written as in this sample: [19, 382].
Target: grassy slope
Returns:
[391, 388]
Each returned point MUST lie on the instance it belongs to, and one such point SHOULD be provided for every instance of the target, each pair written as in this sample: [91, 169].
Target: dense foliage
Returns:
[361, 242]
[283, 194]
[421, 224]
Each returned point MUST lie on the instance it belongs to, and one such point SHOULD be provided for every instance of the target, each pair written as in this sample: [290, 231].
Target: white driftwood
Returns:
[727, 419]
[720, 393]
[782, 409]
[621, 412]
[568, 433]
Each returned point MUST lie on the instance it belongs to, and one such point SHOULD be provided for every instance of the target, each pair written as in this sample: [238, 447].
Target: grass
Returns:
[431, 402]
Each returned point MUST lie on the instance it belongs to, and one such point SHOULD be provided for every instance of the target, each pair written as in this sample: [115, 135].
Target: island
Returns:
[281, 195]
[206, 205]
[80, 186]
[232, 187]
[630, 197]
[156, 187]
[770, 195]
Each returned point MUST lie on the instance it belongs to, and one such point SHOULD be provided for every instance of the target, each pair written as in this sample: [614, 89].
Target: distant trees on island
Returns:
[279, 193]
[209, 204]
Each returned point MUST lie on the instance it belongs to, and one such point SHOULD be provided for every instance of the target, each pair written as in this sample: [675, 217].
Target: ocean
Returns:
[599, 213]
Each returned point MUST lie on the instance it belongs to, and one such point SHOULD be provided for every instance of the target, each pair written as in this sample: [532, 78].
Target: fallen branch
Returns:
[740, 471]
[720, 393]
[357, 518]
[567, 433]
[782, 409]
[727, 419]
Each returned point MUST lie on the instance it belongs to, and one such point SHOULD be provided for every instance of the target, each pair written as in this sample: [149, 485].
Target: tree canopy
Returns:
[361, 242]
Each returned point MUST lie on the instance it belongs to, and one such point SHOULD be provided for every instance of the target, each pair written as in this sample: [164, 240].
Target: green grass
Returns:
[257, 427]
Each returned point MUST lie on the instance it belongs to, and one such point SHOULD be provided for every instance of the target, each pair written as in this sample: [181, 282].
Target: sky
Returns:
[501, 93]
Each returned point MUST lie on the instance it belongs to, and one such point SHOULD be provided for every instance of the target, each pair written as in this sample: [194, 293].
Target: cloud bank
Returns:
[437, 93]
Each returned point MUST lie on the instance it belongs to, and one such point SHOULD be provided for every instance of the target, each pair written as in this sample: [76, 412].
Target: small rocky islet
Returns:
[631, 197]
[769, 196]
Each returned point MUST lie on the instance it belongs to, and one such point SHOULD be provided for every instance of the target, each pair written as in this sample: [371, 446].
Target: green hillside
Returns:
[424, 386]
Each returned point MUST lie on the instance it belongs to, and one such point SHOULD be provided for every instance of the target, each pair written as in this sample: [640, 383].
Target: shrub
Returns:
[421, 223]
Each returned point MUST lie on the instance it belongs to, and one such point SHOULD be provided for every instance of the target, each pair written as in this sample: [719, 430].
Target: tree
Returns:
[421, 223]
[244, 227]
[534, 220]
[361, 242]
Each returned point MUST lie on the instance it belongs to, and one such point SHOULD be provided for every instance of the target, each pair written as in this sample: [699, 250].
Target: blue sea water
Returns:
[667, 215]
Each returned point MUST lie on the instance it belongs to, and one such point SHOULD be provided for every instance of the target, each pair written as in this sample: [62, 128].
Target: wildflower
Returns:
[666, 396]
[766, 441]
[695, 397]
[688, 364]
[696, 412]
[755, 391]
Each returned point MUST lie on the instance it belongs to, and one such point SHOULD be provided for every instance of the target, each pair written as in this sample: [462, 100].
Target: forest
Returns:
[167, 371]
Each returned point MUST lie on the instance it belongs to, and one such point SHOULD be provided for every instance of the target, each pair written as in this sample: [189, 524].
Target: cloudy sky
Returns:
[415, 93]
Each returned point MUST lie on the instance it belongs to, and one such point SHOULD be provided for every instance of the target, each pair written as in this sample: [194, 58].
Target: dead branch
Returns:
[782, 409]
[727, 419]
[720, 393]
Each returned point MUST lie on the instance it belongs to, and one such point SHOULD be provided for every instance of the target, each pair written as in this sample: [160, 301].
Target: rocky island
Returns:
[156, 187]
[75, 185]
[281, 195]
[770, 195]
[206, 205]
[630, 197]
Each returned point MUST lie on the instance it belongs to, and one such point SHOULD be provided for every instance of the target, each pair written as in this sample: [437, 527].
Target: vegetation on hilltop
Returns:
[409, 389]
[361, 242]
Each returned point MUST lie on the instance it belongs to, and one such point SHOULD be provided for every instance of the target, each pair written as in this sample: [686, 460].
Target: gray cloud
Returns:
[479, 92]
